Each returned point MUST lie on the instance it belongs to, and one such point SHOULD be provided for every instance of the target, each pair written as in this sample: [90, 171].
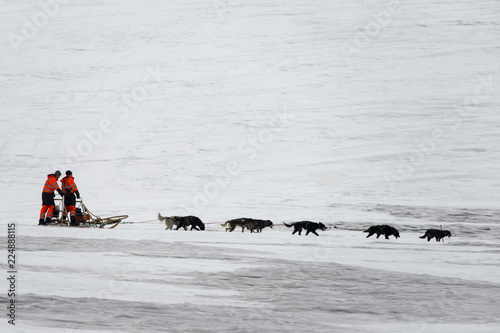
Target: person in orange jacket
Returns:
[70, 190]
[48, 197]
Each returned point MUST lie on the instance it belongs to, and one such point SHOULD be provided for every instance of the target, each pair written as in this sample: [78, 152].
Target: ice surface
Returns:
[352, 113]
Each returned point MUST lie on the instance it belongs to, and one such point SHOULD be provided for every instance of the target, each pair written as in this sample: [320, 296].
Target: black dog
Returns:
[246, 223]
[382, 230]
[186, 221]
[439, 234]
[257, 225]
[308, 225]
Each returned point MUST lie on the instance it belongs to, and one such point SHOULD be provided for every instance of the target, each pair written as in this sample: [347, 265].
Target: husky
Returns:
[431, 233]
[247, 223]
[382, 230]
[193, 221]
[307, 225]
[169, 221]
[258, 225]
[182, 222]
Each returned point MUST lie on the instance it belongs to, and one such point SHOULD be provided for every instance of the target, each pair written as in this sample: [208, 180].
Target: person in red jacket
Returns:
[48, 197]
[70, 190]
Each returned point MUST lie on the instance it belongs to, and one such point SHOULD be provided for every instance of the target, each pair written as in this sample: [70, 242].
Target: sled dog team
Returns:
[69, 191]
[256, 225]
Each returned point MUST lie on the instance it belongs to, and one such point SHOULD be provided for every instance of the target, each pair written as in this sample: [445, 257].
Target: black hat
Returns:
[57, 173]
[69, 173]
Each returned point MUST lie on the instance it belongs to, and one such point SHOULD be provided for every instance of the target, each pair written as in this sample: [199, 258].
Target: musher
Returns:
[48, 197]
[70, 190]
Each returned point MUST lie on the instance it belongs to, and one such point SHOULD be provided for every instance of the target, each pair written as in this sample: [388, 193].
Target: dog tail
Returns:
[288, 225]
[423, 236]
[223, 224]
[160, 218]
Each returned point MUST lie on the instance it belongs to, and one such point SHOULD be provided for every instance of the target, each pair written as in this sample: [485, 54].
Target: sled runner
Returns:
[84, 216]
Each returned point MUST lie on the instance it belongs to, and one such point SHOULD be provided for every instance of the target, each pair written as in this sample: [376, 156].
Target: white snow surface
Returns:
[352, 113]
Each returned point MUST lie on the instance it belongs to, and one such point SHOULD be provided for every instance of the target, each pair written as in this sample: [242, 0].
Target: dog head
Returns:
[322, 226]
[202, 226]
[268, 223]
[446, 233]
[396, 233]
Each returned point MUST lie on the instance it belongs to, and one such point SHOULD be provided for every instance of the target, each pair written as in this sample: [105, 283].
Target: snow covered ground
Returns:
[352, 113]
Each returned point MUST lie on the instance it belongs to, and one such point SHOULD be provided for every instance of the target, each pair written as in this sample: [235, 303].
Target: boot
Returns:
[73, 221]
[41, 222]
[48, 220]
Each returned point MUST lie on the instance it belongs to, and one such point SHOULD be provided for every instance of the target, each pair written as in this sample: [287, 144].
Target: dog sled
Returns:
[84, 217]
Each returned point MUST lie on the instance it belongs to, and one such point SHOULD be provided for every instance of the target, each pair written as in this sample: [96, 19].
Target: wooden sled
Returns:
[84, 217]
